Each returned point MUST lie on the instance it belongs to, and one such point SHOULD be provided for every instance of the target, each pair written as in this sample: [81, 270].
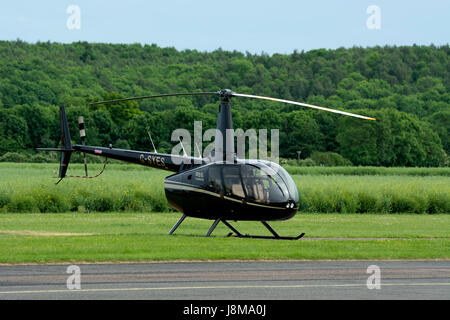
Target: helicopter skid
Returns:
[266, 237]
[275, 235]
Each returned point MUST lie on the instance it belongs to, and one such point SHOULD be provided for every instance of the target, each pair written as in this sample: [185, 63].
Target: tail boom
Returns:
[163, 161]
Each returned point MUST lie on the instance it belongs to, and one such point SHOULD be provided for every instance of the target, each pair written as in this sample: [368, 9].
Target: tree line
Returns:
[405, 88]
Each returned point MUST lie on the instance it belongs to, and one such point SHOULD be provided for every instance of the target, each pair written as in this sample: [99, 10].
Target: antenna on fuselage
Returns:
[149, 135]
[184, 151]
[198, 150]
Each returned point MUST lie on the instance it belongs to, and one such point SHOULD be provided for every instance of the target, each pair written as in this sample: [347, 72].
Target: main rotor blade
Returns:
[156, 96]
[303, 105]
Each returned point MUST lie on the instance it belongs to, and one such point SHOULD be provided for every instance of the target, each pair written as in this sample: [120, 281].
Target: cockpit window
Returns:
[264, 182]
[215, 178]
[292, 187]
[232, 181]
[263, 185]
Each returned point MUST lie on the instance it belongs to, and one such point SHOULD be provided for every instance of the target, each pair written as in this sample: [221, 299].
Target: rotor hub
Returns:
[226, 94]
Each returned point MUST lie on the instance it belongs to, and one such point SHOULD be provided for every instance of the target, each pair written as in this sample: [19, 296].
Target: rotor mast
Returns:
[224, 140]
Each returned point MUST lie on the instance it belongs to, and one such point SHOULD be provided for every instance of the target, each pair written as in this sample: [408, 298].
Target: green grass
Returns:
[132, 188]
[373, 194]
[31, 188]
[143, 237]
[136, 218]
[368, 171]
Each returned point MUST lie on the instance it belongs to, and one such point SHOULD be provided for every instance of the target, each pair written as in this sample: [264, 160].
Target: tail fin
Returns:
[66, 147]
[66, 144]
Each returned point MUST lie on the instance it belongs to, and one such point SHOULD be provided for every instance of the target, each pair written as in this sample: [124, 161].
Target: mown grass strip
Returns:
[143, 237]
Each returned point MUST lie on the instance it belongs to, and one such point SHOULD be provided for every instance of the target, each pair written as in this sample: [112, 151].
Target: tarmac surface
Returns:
[231, 280]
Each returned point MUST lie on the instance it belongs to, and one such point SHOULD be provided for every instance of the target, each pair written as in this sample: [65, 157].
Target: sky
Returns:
[256, 26]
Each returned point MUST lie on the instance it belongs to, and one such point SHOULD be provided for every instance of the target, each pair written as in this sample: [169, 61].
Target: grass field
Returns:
[76, 237]
[364, 215]
[132, 188]
[365, 171]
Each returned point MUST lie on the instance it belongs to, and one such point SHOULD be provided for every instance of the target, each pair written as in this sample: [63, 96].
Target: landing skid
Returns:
[275, 236]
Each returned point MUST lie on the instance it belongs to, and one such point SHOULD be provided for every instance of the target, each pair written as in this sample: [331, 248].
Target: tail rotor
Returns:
[66, 147]
[83, 138]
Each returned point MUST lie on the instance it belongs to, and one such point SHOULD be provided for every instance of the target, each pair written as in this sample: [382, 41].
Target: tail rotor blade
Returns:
[83, 138]
[303, 105]
[82, 130]
[66, 144]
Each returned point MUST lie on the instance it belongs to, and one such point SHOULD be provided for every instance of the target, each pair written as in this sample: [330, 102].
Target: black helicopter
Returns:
[220, 187]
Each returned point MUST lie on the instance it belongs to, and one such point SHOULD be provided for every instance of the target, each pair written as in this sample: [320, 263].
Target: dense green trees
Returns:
[395, 139]
[405, 88]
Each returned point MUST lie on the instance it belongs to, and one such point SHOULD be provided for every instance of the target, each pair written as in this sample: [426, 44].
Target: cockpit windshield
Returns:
[259, 181]
[262, 184]
[290, 184]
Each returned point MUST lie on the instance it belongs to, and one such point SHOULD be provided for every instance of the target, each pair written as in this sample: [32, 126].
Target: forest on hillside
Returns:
[405, 88]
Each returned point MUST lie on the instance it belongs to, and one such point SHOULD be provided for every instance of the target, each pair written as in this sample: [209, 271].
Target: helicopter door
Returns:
[215, 179]
[232, 181]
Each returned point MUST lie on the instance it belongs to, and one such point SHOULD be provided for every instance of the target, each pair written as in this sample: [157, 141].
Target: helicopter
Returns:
[220, 187]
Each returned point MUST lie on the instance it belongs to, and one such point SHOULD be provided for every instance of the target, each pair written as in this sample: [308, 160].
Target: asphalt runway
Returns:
[236, 280]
